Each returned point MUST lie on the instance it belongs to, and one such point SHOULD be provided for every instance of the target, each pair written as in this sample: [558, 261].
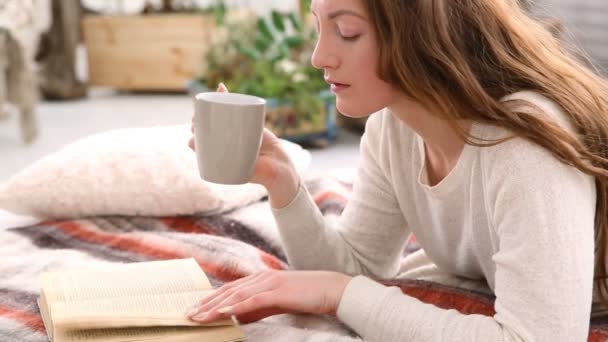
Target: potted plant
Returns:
[269, 57]
[149, 48]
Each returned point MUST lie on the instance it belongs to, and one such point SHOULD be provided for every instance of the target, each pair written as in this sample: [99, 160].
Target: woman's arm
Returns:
[370, 235]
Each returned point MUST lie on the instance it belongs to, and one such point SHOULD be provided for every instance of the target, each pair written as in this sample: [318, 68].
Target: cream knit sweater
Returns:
[512, 215]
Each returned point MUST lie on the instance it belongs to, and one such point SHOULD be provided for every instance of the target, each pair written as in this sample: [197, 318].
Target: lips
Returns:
[336, 86]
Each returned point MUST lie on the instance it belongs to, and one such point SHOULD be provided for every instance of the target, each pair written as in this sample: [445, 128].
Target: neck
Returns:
[442, 143]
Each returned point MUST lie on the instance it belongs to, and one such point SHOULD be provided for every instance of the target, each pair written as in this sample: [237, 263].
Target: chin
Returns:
[355, 110]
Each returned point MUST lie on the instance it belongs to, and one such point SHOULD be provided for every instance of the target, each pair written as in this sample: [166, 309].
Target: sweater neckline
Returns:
[454, 178]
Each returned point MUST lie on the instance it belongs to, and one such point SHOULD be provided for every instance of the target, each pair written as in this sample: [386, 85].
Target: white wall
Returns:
[586, 23]
[261, 6]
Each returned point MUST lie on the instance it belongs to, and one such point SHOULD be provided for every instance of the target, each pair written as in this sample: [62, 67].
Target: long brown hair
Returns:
[459, 58]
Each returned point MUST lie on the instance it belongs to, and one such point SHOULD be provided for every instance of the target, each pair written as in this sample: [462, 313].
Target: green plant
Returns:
[217, 8]
[305, 6]
[268, 57]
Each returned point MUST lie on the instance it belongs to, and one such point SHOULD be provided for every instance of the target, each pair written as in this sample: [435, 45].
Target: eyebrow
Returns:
[338, 13]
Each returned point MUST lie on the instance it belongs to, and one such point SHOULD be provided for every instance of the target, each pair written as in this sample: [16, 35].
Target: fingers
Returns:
[214, 307]
[223, 292]
[252, 309]
[220, 88]
[256, 315]
[255, 297]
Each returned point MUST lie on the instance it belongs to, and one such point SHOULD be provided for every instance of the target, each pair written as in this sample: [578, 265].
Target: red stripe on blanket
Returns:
[136, 245]
[186, 225]
[272, 261]
[329, 195]
[448, 299]
[33, 321]
[190, 225]
[597, 335]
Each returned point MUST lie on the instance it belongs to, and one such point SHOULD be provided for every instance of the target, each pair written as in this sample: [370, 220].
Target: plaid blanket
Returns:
[227, 246]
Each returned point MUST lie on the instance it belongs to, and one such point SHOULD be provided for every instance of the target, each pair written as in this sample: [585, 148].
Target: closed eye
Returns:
[350, 38]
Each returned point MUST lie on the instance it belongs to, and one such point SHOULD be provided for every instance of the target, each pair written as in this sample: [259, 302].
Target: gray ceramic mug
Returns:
[228, 130]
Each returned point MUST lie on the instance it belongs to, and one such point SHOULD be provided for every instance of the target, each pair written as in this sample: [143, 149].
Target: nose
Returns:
[323, 57]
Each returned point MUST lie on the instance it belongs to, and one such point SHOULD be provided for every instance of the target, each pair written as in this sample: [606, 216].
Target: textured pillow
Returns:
[135, 171]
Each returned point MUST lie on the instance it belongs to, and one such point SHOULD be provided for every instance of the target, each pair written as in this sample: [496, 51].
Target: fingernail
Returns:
[200, 317]
[225, 310]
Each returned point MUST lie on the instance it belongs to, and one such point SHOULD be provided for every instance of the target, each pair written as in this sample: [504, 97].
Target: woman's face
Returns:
[347, 50]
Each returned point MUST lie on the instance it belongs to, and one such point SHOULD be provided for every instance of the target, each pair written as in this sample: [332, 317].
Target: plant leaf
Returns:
[265, 30]
[284, 50]
[294, 42]
[277, 21]
[219, 12]
[262, 44]
[296, 21]
[250, 53]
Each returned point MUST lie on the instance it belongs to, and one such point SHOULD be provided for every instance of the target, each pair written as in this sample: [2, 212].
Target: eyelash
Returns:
[351, 39]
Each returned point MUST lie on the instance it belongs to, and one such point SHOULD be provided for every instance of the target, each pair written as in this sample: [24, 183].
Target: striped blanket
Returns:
[227, 246]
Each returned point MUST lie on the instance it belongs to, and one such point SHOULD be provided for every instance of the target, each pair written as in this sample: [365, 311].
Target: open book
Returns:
[145, 301]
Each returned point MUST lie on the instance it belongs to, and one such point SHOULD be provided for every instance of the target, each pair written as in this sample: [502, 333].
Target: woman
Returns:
[491, 149]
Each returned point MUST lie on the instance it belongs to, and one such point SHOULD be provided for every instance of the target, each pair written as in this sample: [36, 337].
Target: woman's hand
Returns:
[273, 292]
[273, 169]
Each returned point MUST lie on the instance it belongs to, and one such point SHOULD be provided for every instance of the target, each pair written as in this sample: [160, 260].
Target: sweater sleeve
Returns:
[543, 213]
[371, 232]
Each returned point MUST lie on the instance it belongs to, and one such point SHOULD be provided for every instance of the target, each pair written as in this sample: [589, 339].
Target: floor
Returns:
[63, 122]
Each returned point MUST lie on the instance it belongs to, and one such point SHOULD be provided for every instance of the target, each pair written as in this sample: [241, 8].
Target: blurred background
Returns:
[71, 68]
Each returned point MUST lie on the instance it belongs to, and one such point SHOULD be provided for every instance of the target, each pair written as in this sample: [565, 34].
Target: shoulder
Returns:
[518, 147]
[519, 150]
[521, 163]
[548, 107]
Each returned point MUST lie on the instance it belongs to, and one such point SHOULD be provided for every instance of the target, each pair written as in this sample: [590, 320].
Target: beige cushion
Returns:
[136, 171]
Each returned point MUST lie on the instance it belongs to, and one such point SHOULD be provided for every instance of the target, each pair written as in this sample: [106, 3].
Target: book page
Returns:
[124, 280]
[46, 318]
[172, 334]
[136, 311]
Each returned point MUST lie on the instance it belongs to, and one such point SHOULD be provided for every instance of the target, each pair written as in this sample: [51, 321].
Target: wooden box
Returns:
[147, 52]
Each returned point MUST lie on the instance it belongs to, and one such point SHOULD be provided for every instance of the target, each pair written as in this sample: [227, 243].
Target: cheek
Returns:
[369, 93]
